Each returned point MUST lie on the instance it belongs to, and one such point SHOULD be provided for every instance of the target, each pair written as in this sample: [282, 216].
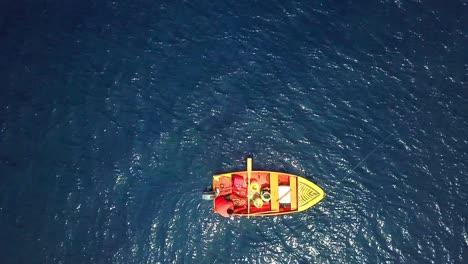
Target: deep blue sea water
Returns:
[114, 115]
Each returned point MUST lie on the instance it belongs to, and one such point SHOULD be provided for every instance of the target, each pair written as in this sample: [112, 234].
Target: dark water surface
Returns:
[115, 114]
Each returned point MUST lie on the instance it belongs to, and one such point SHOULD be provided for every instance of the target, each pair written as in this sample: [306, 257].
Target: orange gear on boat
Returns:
[222, 206]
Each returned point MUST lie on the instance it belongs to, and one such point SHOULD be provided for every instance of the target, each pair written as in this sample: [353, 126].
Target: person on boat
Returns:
[223, 206]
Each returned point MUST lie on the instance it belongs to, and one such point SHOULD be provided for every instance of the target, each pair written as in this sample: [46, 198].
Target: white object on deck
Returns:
[284, 192]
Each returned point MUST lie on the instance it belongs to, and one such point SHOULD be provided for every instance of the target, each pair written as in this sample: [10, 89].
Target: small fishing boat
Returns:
[262, 193]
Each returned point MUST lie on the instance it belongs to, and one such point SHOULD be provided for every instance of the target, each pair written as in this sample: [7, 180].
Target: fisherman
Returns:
[223, 206]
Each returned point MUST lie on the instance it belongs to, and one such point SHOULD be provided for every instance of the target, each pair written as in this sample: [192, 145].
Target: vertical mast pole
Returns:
[249, 174]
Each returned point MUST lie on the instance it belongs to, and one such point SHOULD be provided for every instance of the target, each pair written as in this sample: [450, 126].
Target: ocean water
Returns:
[114, 115]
